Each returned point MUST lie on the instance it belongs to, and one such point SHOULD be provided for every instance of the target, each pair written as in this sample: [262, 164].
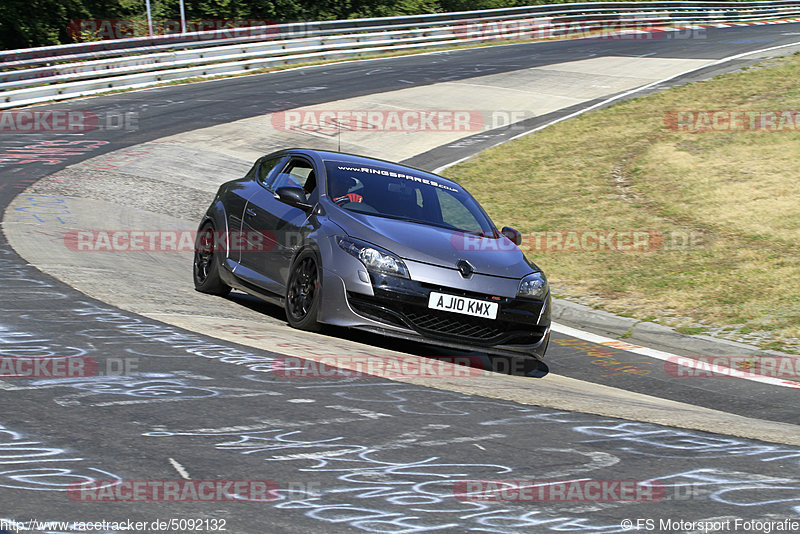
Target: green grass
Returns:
[725, 203]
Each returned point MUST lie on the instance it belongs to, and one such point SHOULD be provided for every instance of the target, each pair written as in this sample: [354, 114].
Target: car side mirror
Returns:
[293, 196]
[512, 234]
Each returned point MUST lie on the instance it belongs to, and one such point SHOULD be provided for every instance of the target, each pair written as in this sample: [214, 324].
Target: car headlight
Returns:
[533, 286]
[374, 258]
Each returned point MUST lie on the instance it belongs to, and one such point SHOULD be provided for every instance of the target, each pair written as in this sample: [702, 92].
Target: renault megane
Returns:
[363, 243]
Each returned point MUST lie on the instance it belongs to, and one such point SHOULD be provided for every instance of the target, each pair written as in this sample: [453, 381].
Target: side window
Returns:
[297, 173]
[456, 214]
[265, 168]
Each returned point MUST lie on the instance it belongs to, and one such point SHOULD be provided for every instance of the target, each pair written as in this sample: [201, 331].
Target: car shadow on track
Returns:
[516, 366]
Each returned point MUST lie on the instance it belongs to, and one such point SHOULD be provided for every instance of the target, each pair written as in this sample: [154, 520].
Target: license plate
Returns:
[464, 305]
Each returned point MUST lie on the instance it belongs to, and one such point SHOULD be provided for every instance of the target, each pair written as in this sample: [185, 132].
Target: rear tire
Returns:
[206, 265]
[304, 292]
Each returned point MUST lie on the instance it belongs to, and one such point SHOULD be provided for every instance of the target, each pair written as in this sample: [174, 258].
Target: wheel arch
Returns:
[312, 249]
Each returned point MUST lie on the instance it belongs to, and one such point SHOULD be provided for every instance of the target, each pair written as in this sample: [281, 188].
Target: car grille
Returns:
[377, 313]
[449, 323]
[448, 326]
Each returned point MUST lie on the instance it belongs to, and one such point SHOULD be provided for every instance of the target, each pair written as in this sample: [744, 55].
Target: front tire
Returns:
[304, 292]
[206, 267]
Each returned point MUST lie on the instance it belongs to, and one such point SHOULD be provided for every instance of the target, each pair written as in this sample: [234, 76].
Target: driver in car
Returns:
[339, 187]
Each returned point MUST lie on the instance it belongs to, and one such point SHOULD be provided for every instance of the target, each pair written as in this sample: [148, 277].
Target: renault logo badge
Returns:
[465, 268]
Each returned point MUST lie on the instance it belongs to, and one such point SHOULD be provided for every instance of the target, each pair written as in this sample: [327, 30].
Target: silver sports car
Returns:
[364, 243]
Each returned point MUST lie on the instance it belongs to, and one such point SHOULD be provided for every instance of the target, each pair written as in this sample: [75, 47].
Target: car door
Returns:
[238, 195]
[273, 230]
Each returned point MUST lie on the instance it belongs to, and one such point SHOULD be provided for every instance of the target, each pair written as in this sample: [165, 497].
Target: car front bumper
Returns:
[399, 308]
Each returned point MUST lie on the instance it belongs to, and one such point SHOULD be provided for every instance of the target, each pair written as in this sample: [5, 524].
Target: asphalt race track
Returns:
[188, 387]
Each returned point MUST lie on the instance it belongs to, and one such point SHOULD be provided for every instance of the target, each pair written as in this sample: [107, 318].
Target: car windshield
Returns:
[406, 194]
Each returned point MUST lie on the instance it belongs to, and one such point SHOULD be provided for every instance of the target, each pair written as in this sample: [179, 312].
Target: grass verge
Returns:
[720, 206]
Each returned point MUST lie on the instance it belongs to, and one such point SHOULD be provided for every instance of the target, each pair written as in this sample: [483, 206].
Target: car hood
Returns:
[438, 246]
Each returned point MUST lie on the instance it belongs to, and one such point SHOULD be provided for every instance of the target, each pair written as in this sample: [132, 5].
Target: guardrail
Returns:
[66, 71]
